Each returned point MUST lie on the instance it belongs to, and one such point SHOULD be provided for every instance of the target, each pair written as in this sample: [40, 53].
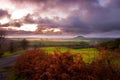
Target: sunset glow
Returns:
[57, 30]
[28, 27]
[4, 20]
[51, 30]
[25, 27]
[19, 14]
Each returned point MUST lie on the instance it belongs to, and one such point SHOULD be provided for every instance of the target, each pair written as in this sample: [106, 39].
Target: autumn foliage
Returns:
[37, 65]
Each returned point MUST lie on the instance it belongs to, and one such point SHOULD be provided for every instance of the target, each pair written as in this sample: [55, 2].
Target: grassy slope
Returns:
[7, 54]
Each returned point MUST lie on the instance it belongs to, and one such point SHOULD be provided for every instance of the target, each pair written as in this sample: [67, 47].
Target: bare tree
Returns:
[24, 44]
[2, 37]
[11, 47]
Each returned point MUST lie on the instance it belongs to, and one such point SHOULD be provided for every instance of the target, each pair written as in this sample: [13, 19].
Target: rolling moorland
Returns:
[69, 59]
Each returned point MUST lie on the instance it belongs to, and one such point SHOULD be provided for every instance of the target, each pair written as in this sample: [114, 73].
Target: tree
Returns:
[11, 47]
[2, 37]
[24, 44]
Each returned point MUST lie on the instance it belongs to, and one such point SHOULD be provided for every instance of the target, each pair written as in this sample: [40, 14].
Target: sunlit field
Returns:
[88, 54]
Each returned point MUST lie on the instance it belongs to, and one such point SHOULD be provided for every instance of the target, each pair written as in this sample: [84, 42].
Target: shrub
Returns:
[112, 45]
[30, 63]
[1, 53]
[37, 65]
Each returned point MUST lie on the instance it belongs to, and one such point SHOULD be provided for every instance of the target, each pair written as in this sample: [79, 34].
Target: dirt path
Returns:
[6, 63]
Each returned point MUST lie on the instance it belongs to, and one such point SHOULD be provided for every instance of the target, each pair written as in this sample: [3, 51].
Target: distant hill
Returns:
[92, 39]
[86, 38]
[79, 37]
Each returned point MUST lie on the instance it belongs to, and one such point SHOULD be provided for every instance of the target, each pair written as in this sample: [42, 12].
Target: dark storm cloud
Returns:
[76, 25]
[114, 4]
[97, 19]
[59, 1]
[48, 22]
[71, 24]
[106, 20]
[12, 32]
[63, 4]
[107, 27]
[36, 1]
[30, 3]
[14, 24]
[3, 13]
[29, 19]
[4, 25]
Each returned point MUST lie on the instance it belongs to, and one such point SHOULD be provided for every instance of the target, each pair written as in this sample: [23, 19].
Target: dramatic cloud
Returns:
[105, 21]
[114, 4]
[3, 13]
[80, 17]
[13, 23]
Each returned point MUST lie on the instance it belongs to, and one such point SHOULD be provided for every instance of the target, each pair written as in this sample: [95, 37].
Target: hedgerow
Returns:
[37, 65]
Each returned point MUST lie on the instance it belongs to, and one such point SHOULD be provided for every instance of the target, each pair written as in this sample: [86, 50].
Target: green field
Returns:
[88, 54]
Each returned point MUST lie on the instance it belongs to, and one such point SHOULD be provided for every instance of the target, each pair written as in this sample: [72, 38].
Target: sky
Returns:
[90, 18]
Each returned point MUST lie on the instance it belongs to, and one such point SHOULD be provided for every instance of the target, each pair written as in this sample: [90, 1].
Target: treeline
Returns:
[7, 45]
[69, 44]
[38, 65]
[113, 45]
